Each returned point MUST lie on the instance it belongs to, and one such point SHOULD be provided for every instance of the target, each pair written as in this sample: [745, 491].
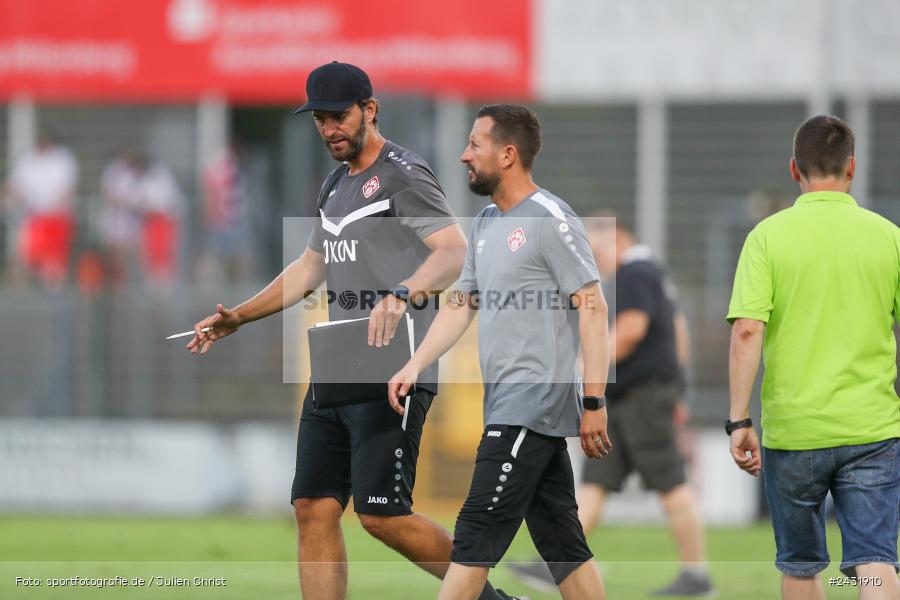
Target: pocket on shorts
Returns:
[793, 470]
[876, 463]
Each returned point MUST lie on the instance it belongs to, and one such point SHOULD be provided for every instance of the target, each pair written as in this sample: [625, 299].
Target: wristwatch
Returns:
[401, 292]
[593, 402]
[731, 426]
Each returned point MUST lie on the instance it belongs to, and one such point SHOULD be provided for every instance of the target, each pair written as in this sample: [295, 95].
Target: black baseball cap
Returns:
[334, 87]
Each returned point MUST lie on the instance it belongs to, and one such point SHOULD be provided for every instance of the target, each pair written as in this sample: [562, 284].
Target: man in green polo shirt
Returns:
[817, 289]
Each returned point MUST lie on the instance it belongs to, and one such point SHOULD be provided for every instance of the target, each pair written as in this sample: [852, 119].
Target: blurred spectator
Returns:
[227, 216]
[650, 349]
[161, 201]
[41, 190]
[120, 219]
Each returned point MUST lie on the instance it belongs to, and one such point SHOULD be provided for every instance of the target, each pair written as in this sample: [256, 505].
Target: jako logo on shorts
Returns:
[377, 500]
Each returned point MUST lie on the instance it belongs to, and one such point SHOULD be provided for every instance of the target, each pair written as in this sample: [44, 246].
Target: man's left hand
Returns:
[400, 385]
[745, 450]
[383, 320]
[594, 439]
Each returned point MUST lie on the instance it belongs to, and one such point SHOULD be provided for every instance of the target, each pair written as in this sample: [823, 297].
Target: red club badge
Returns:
[370, 187]
[516, 239]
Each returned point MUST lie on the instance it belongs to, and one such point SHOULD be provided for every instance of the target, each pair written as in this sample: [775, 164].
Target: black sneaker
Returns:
[506, 596]
[688, 584]
[534, 574]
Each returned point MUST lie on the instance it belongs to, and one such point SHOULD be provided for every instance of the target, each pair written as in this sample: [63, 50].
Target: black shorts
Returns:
[520, 474]
[364, 449]
[644, 438]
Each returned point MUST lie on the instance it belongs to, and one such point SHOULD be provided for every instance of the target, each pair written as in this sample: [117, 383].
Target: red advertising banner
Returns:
[259, 50]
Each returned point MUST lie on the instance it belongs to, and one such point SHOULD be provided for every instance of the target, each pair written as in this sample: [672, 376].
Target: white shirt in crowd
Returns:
[44, 180]
[159, 191]
[120, 220]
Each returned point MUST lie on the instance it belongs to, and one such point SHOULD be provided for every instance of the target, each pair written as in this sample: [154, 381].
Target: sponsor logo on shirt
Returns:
[370, 187]
[479, 246]
[377, 500]
[516, 239]
[339, 251]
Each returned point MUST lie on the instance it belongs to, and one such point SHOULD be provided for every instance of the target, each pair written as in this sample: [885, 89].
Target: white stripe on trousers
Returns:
[519, 440]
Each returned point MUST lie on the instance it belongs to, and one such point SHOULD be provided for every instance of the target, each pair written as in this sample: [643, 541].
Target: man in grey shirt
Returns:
[385, 237]
[530, 274]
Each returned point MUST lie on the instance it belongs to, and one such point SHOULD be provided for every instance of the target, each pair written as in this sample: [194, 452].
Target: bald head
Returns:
[609, 238]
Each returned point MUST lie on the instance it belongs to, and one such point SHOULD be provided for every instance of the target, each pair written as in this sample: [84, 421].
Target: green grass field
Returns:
[255, 556]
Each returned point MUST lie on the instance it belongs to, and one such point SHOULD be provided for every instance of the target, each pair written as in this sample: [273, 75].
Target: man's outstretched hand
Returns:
[223, 322]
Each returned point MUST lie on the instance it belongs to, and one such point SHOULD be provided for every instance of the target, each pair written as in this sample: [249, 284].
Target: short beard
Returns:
[355, 146]
[484, 184]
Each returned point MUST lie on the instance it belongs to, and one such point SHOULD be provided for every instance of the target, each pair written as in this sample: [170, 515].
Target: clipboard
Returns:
[345, 370]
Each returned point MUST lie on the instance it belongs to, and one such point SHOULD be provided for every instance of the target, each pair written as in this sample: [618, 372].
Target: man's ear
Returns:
[795, 171]
[509, 156]
[851, 168]
[369, 112]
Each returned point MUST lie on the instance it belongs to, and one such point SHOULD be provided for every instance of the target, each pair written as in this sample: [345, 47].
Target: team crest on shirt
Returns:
[516, 239]
[370, 187]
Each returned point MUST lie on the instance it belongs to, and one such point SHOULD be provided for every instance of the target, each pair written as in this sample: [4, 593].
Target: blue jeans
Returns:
[864, 482]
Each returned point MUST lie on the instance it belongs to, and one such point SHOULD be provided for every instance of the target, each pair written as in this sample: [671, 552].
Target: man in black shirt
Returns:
[646, 398]
[385, 240]
[649, 347]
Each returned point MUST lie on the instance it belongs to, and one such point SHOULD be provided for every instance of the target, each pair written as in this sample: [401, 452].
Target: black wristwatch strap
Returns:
[731, 426]
[401, 292]
[593, 402]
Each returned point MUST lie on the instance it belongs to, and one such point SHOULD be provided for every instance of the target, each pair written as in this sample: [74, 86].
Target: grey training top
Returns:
[523, 265]
[371, 231]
